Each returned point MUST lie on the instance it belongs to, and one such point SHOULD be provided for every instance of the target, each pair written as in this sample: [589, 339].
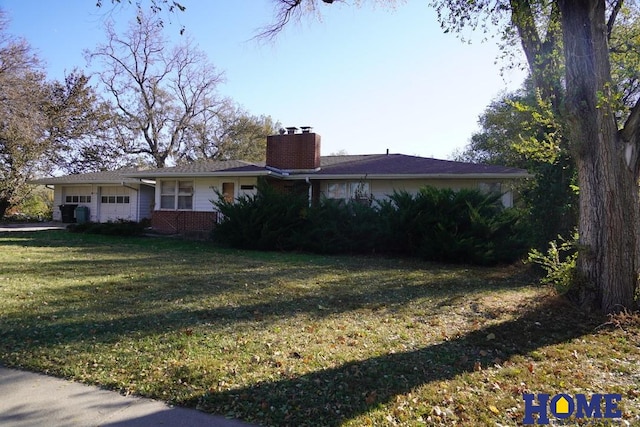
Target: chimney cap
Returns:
[306, 129]
[291, 130]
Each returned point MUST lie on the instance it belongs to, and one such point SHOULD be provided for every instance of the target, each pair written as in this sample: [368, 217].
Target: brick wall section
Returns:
[178, 222]
[294, 151]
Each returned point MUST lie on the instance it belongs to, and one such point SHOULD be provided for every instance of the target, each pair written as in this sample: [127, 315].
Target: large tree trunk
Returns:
[608, 225]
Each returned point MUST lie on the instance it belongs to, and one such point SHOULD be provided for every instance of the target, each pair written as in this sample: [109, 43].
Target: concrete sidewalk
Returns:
[29, 399]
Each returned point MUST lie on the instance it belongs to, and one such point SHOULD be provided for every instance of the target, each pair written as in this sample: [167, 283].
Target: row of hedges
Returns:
[463, 226]
[111, 228]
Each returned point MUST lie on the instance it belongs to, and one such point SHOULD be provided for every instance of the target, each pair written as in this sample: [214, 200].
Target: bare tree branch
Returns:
[612, 18]
[159, 92]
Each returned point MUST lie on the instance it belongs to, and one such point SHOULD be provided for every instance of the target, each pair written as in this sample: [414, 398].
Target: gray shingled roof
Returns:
[372, 165]
[108, 177]
[400, 164]
[205, 168]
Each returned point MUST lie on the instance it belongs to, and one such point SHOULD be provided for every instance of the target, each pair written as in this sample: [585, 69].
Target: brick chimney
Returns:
[294, 151]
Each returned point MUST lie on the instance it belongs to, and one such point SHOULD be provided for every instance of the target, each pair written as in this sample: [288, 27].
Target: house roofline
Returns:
[318, 177]
[199, 174]
[58, 181]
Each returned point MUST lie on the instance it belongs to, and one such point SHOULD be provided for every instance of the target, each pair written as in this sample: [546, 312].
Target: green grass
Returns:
[295, 339]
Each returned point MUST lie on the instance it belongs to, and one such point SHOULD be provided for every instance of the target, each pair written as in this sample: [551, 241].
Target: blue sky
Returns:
[366, 78]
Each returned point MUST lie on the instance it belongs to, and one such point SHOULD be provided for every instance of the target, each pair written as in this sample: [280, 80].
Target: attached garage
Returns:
[109, 196]
[116, 203]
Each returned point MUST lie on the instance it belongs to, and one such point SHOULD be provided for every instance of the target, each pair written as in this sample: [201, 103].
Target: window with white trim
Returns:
[357, 190]
[176, 195]
[337, 190]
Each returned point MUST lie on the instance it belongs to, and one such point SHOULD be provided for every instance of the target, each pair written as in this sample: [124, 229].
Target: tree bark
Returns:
[608, 224]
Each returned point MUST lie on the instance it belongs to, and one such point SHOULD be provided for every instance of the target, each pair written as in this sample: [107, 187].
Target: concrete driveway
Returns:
[32, 226]
[30, 399]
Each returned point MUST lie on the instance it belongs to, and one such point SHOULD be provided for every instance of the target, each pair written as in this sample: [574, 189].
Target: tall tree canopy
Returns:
[567, 49]
[38, 119]
[232, 133]
[23, 118]
[519, 130]
[159, 92]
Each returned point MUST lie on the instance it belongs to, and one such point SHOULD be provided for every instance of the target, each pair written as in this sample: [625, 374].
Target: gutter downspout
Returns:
[310, 189]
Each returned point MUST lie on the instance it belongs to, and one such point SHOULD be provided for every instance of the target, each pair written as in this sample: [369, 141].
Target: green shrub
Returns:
[270, 220]
[336, 226]
[559, 262]
[464, 226]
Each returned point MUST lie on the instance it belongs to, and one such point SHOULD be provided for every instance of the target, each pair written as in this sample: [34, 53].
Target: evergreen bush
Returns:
[465, 226]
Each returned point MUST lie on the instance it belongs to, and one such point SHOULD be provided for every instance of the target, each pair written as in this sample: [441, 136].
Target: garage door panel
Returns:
[116, 204]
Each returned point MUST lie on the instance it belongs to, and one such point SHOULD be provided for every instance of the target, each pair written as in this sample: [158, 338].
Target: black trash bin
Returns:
[68, 213]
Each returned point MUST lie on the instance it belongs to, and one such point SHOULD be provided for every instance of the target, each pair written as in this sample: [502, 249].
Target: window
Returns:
[77, 199]
[337, 191]
[228, 189]
[176, 193]
[168, 195]
[115, 199]
[357, 190]
[185, 195]
[490, 187]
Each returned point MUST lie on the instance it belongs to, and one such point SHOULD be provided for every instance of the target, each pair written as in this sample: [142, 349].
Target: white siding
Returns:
[146, 203]
[139, 206]
[381, 189]
[204, 190]
[115, 211]
[60, 198]
[57, 201]
[203, 193]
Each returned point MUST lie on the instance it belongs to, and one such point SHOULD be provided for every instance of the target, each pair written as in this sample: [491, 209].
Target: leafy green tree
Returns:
[81, 128]
[519, 130]
[25, 117]
[40, 121]
[230, 133]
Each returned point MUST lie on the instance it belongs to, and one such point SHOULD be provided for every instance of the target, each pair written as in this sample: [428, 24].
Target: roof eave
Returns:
[53, 181]
[200, 174]
[412, 176]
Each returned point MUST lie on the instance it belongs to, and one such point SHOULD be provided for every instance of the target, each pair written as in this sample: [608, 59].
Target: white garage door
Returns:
[116, 203]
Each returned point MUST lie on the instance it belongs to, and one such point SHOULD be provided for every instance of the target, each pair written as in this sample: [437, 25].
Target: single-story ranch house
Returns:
[179, 199]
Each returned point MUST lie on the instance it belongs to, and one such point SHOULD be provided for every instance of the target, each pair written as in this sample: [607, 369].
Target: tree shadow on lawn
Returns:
[330, 397]
[106, 311]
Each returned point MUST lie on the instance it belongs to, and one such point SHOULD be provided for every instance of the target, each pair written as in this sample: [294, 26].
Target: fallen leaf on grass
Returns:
[493, 409]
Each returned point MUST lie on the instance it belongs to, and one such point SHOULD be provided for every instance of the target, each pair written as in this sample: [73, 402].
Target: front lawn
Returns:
[293, 339]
